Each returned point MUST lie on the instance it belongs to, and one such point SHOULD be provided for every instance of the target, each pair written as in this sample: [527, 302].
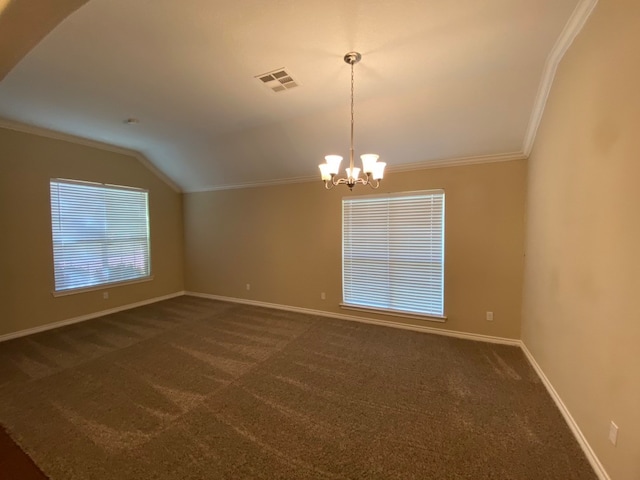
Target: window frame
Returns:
[104, 285]
[432, 316]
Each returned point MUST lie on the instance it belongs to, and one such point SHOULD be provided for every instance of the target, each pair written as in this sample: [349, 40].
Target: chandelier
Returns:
[373, 169]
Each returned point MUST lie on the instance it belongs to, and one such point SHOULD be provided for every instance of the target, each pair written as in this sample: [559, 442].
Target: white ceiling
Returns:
[439, 80]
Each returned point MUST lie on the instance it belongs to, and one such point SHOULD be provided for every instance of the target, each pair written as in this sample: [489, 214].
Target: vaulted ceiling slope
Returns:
[439, 81]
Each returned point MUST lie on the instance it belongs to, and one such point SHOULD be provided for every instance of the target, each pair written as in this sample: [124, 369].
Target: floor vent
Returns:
[277, 80]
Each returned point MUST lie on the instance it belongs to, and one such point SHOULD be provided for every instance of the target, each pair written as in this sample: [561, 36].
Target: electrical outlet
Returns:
[105, 295]
[613, 433]
[323, 296]
[489, 316]
[248, 286]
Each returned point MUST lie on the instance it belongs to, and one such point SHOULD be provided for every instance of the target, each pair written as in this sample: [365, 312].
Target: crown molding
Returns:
[267, 183]
[458, 161]
[573, 26]
[55, 135]
[407, 167]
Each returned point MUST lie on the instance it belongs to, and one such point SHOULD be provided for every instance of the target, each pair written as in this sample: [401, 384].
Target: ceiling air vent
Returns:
[277, 80]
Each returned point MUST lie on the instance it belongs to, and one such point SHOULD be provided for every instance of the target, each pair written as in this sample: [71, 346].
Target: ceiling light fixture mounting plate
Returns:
[352, 58]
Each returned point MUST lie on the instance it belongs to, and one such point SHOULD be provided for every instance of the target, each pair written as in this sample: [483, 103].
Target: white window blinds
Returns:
[100, 234]
[393, 252]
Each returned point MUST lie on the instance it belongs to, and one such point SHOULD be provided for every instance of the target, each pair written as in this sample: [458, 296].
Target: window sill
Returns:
[395, 313]
[102, 286]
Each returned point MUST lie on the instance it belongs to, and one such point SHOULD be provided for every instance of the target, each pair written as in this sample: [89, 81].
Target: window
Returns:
[393, 252]
[100, 234]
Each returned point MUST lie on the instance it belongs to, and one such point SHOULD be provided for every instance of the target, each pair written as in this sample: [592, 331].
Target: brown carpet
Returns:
[197, 389]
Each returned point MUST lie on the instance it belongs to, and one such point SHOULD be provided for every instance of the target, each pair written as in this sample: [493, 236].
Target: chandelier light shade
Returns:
[373, 169]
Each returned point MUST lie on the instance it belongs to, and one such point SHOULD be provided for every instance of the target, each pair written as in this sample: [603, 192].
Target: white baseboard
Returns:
[82, 318]
[354, 318]
[582, 441]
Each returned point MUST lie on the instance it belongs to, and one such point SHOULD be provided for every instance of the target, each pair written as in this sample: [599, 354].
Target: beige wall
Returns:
[27, 163]
[286, 242]
[581, 315]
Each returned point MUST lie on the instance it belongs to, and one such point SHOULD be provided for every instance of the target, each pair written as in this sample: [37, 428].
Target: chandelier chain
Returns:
[352, 121]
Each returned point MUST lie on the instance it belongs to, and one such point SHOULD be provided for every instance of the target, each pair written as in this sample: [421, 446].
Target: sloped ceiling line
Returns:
[55, 135]
[42, 16]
